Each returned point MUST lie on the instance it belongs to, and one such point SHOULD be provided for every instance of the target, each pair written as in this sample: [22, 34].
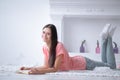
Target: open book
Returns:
[22, 71]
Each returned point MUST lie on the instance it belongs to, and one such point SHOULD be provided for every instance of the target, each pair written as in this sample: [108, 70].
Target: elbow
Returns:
[55, 70]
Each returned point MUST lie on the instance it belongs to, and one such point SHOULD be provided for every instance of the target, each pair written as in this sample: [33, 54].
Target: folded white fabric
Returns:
[22, 71]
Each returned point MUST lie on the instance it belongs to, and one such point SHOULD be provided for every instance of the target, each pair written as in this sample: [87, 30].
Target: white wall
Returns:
[77, 29]
[84, 19]
[21, 23]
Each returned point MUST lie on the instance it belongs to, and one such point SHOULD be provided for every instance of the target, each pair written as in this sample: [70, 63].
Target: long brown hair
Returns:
[54, 41]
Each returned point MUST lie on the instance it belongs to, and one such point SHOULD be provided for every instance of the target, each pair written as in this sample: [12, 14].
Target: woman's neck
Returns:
[48, 45]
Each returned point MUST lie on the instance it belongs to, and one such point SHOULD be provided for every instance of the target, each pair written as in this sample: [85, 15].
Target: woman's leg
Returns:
[108, 58]
[103, 51]
[107, 53]
[110, 54]
[91, 64]
[104, 37]
[107, 49]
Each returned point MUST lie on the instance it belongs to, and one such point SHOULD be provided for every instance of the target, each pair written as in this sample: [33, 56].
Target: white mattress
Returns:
[8, 72]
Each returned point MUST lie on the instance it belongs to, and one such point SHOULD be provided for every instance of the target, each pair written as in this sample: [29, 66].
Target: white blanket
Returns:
[102, 73]
[99, 71]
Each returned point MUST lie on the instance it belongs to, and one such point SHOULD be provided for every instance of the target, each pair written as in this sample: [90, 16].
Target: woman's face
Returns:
[46, 35]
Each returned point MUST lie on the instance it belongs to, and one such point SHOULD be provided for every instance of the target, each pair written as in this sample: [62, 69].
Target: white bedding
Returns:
[8, 72]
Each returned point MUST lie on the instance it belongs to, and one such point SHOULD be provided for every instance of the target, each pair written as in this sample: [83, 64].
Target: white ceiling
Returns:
[87, 6]
[84, 2]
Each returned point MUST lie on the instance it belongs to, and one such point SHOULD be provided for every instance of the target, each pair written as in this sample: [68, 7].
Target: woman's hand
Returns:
[25, 68]
[35, 71]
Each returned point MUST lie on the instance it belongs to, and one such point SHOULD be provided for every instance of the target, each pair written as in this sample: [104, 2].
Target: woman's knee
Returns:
[112, 66]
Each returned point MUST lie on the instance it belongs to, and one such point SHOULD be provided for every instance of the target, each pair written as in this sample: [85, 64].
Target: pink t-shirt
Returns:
[68, 63]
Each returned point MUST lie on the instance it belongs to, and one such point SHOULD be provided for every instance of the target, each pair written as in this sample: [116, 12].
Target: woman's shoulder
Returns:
[60, 49]
[44, 47]
[59, 44]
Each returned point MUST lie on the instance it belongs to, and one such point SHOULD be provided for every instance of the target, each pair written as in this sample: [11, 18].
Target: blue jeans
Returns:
[107, 55]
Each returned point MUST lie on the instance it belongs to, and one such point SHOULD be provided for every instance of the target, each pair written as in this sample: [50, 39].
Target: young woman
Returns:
[58, 59]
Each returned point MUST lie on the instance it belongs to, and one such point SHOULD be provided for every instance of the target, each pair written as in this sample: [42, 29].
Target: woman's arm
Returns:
[39, 70]
[41, 67]
[28, 68]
